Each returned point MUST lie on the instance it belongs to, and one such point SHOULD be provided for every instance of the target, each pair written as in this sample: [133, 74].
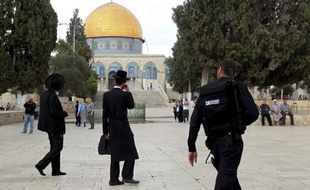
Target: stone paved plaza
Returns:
[274, 158]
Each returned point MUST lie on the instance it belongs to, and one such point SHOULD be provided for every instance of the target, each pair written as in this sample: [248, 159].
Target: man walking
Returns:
[225, 126]
[52, 121]
[30, 107]
[185, 110]
[91, 113]
[77, 116]
[116, 128]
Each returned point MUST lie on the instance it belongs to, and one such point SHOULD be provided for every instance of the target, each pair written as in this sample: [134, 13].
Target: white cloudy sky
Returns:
[159, 31]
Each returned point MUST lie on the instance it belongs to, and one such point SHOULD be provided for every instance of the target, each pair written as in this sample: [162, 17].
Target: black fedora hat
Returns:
[55, 82]
[122, 75]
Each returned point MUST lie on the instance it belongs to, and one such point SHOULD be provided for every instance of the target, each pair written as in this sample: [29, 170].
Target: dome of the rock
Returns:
[112, 20]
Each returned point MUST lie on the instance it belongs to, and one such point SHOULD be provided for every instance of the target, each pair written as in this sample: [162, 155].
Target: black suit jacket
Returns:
[115, 122]
[52, 116]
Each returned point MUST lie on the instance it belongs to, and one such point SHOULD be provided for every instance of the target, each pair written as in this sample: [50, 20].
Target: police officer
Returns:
[225, 143]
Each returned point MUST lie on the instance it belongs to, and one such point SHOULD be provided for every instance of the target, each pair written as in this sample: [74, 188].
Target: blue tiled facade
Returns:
[115, 45]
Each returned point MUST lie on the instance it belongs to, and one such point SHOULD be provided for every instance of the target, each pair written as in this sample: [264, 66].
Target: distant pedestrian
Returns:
[52, 121]
[175, 107]
[30, 107]
[77, 116]
[185, 110]
[180, 111]
[82, 113]
[265, 109]
[91, 113]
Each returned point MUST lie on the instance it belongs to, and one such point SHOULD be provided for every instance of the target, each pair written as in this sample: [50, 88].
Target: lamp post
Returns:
[73, 43]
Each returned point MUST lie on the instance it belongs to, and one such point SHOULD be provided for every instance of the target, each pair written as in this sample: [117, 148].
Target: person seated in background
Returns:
[276, 112]
[286, 110]
[8, 106]
[265, 109]
[1, 108]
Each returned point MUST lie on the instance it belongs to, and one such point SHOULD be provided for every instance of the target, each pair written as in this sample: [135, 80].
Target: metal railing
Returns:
[136, 115]
[301, 109]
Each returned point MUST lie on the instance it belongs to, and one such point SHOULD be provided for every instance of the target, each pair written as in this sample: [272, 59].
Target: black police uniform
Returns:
[226, 146]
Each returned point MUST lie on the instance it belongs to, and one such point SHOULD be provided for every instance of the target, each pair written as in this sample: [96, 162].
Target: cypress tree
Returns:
[27, 37]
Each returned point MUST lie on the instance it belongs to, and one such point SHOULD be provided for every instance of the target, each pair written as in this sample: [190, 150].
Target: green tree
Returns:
[76, 36]
[268, 39]
[182, 73]
[76, 72]
[288, 90]
[74, 65]
[92, 83]
[305, 84]
[27, 38]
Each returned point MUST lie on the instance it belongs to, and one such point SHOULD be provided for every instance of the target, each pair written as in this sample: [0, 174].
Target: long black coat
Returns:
[52, 116]
[115, 123]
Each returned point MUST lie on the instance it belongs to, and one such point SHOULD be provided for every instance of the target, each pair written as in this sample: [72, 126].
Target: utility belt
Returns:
[232, 135]
[229, 137]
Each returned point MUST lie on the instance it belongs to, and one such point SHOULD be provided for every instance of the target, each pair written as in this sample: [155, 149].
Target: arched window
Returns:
[154, 73]
[99, 68]
[131, 71]
[150, 71]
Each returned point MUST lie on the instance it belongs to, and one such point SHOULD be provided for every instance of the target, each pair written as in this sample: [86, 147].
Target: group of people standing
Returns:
[181, 110]
[278, 112]
[81, 111]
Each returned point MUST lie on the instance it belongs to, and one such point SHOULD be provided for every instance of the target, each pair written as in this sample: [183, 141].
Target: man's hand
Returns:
[192, 157]
[107, 136]
[126, 87]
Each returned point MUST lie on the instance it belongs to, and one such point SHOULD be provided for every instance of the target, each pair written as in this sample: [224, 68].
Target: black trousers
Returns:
[284, 117]
[127, 172]
[227, 159]
[268, 119]
[78, 120]
[53, 156]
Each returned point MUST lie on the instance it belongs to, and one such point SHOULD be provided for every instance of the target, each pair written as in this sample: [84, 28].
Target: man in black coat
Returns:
[224, 134]
[52, 121]
[116, 128]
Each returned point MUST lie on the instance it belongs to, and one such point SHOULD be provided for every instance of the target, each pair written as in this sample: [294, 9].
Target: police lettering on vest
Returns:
[219, 107]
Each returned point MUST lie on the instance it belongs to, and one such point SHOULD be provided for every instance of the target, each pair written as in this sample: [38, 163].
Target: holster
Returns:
[208, 143]
[215, 163]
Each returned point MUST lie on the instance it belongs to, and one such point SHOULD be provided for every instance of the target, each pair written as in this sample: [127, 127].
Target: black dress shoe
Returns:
[131, 181]
[113, 183]
[58, 173]
[40, 170]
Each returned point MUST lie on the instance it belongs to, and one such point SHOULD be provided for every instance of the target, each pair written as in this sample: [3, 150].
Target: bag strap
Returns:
[238, 118]
[234, 84]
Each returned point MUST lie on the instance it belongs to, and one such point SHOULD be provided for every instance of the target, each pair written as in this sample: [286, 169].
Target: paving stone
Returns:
[274, 158]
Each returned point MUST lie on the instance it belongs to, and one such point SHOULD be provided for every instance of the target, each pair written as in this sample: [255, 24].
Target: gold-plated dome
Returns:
[112, 19]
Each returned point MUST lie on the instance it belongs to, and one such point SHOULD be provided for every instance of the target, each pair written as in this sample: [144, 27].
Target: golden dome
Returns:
[112, 19]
